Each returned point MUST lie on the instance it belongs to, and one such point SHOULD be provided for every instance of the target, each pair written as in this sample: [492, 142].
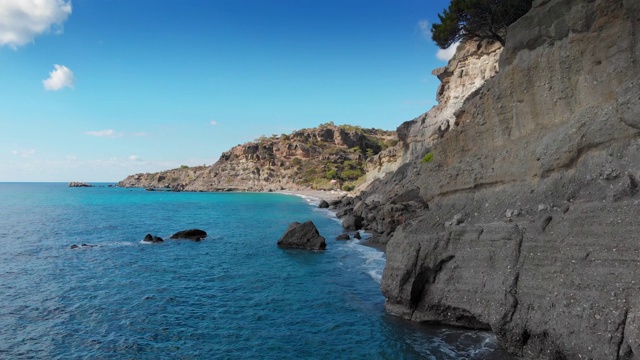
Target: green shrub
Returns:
[348, 187]
[427, 158]
[184, 166]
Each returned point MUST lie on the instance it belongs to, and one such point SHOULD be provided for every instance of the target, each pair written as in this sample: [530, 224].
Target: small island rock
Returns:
[302, 236]
[193, 234]
[79, 184]
[343, 237]
[357, 235]
[152, 239]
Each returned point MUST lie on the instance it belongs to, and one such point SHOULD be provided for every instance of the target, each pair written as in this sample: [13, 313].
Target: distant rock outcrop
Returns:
[79, 184]
[192, 234]
[302, 236]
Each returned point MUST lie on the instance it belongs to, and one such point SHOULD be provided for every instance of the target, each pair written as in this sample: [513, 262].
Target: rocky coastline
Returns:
[522, 218]
[512, 205]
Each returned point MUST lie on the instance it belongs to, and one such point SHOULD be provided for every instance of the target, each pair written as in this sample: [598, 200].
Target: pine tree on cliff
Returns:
[477, 19]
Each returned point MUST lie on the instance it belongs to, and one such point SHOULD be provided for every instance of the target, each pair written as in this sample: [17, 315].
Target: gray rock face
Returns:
[555, 136]
[352, 222]
[302, 236]
[192, 234]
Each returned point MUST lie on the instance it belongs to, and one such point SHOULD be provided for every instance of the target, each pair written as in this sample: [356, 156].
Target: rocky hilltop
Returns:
[520, 213]
[326, 157]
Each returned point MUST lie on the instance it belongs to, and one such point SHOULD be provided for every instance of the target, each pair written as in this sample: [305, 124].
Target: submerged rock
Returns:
[302, 236]
[74, 246]
[152, 239]
[193, 234]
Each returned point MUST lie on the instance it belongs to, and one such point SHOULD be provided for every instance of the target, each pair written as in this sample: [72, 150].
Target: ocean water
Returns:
[234, 295]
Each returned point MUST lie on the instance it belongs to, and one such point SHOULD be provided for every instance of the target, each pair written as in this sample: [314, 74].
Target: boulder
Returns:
[343, 237]
[302, 236]
[193, 234]
[152, 239]
[357, 235]
[323, 205]
[352, 222]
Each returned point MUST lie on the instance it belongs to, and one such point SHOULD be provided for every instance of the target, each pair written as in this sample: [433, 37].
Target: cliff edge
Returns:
[523, 218]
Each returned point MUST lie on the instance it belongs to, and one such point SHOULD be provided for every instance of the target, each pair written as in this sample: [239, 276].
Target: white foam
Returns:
[374, 260]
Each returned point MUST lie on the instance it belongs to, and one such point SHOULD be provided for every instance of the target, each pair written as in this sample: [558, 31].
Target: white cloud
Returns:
[103, 133]
[447, 54]
[23, 153]
[425, 28]
[134, 158]
[22, 20]
[60, 77]
[214, 123]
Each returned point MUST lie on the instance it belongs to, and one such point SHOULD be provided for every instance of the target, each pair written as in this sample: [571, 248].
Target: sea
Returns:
[233, 295]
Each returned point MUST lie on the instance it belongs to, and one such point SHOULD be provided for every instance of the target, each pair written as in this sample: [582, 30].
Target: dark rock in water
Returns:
[79, 184]
[343, 237]
[193, 234]
[323, 205]
[302, 236]
[74, 246]
[352, 222]
[357, 235]
[152, 239]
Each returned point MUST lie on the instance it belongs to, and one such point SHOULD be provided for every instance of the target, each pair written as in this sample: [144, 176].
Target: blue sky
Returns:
[95, 90]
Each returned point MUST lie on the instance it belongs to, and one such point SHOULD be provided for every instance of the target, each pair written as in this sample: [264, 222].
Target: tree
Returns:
[477, 19]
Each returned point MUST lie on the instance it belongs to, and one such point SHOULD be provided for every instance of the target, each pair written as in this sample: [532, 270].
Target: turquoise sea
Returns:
[234, 295]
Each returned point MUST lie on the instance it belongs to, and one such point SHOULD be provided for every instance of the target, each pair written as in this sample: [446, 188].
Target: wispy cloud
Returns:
[134, 158]
[104, 133]
[447, 54]
[59, 78]
[22, 20]
[214, 123]
[425, 28]
[24, 153]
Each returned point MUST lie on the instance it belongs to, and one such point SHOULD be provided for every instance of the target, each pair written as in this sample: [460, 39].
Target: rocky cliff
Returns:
[524, 217]
[326, 157]
[472, 65]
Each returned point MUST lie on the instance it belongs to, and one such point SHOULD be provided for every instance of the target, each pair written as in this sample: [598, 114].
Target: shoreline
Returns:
[333, 195]
[327, 196]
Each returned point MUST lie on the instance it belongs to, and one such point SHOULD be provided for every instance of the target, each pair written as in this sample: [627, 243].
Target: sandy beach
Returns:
[319, 194]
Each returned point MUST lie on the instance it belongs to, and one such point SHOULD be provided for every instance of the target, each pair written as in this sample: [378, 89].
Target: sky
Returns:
[95, 90]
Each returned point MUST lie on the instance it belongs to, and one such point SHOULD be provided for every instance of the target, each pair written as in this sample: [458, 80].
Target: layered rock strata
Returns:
[473, 64]
[525, 222]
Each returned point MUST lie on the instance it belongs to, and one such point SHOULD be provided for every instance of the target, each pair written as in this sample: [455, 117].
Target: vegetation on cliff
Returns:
[477, 20]
[326, 157]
